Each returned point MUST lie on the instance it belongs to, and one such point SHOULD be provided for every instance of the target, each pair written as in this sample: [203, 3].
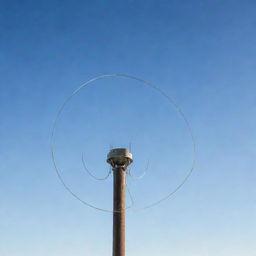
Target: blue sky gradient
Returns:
[201, 53]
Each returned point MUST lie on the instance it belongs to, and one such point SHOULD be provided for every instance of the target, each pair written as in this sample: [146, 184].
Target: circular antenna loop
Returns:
[121, 156]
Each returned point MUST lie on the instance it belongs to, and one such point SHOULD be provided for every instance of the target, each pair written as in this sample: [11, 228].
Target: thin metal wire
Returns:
[140, 176]
[130, 195]
[171, 101]
[90, 173]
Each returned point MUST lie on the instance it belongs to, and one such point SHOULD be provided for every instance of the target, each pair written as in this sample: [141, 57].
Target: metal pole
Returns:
[119, 159]
[119, 211]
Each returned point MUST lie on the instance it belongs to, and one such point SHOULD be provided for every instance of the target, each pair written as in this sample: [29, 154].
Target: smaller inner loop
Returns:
[90, 173]
[140, 176]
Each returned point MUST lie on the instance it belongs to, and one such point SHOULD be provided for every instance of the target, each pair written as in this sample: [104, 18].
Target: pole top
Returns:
[119, 157]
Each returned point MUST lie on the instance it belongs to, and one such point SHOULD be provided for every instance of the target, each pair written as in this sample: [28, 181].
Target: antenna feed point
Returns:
[119, 157]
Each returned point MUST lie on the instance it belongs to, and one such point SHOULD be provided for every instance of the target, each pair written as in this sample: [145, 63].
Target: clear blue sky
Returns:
[201, 53]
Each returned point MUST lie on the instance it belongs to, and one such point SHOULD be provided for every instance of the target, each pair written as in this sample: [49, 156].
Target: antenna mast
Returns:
[119, 159]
